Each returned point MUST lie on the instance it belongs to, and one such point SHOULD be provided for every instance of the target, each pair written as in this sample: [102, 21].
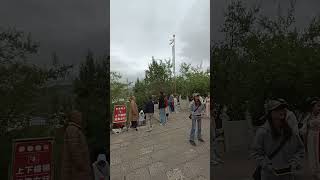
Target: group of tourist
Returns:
[169, 104]
[282, 143]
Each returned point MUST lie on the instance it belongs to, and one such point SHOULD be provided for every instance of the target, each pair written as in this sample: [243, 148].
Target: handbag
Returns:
[190, 117]
[257, 173]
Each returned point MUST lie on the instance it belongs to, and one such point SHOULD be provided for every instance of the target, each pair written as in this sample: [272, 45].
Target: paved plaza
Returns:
[162, 154]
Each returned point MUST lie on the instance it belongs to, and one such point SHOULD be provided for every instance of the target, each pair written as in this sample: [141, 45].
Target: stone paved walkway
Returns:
[163, 154]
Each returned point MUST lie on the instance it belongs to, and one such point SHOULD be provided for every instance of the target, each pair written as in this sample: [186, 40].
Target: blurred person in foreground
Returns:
[276, 147]
[311, 134]
[101, 168]
[291, 118]
[75, 158]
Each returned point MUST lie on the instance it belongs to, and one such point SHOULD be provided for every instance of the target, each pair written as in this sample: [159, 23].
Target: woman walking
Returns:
[312, 134]
[133, 113]
[196, 109]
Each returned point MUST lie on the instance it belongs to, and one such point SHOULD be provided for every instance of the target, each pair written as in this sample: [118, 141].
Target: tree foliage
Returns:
[21, 82]
[262, 58]
[159, 77]
[91, 89]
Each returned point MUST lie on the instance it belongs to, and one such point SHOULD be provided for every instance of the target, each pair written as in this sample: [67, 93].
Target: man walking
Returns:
[149, 111]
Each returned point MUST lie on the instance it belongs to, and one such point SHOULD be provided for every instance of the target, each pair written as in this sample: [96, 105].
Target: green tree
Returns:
[91, 89]
[21, 82]
[262, 58]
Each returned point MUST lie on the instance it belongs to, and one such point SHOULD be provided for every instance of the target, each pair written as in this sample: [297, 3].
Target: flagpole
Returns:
[173, 42]
[174, 64]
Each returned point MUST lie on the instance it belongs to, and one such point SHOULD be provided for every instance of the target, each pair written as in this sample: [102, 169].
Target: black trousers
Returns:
[134, 124]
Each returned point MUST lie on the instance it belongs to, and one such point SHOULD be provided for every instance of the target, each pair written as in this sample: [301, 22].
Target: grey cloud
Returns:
[67, 27]
[304, 12]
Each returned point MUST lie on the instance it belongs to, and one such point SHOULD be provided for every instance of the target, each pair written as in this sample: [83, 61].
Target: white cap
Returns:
[102, 157]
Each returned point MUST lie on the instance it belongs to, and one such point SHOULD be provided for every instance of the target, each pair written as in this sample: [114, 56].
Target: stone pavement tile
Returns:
[130, 154]
[191, 170]
[140, 162]
[202, 148]
[160, 146]
[162, 155]
[189, 154]
[162, 176]
[175, 161]
[138, 174]
[116, 172]
[200, 177]
[115, 159]
[115, 146]
[157, 169]
[175, 174]
[203, 163]
[125, 144]
[146, 150]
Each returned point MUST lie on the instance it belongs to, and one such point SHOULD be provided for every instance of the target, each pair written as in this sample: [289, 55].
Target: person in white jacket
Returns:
[175, 103]
[101, 168]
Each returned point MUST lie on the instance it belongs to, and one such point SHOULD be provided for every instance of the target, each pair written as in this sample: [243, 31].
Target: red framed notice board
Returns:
[32, 159]
[120, 114]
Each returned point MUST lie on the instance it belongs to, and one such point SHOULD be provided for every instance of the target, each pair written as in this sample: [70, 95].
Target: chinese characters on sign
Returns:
[120, 114]
[32, 159]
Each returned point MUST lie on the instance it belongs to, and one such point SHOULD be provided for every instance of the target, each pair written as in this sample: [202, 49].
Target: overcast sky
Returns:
[69, 27]
[141, 29]
[305, 10]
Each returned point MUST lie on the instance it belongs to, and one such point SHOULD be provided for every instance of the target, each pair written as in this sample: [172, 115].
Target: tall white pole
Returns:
[174, 63]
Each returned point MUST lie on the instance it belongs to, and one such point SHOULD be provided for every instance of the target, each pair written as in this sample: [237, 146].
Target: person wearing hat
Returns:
[75, 155]
[276, 134]
[196, 109]
[101, 168]
[312, 133]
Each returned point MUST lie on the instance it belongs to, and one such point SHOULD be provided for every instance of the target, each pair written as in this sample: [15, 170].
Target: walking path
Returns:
[162, 154]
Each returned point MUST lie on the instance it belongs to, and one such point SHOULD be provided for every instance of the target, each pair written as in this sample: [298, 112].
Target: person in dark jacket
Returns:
[149, 111]
[162, 107]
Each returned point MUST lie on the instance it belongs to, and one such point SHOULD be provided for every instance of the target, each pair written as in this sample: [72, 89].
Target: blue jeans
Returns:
[195, 121]
[162, 115]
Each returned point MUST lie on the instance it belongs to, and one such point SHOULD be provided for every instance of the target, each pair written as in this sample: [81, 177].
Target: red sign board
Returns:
[32, 159]
[120, 114]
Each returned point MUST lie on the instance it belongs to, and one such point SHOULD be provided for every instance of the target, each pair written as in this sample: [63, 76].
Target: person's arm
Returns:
[257, 151]
[191, 108]
[296, 161]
